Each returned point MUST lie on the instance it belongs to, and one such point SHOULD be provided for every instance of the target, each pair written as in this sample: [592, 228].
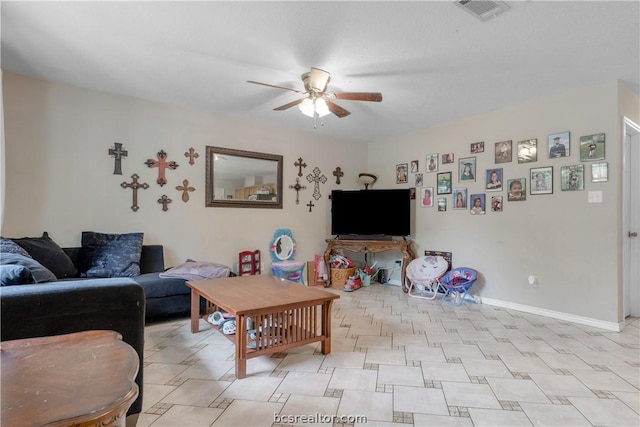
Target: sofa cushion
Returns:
[110, 255]
[15, 275]
[193, 270]
[156, 287]
[39, 273]
[8, 246]
[49, 254]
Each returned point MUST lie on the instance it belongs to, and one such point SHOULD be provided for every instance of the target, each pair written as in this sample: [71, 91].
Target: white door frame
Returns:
[630, 218]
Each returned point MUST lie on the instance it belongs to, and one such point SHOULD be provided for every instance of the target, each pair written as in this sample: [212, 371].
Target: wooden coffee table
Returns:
[81, 379]
[283, 314]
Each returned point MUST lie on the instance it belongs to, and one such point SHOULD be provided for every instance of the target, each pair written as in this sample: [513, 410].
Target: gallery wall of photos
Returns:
[454, 170]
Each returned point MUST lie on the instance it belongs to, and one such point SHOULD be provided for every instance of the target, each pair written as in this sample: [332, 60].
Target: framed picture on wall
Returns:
[572, 178]
[444, 183]
[478, 204]
[503, 152]
[592, 147]
[559, 145]
[426, 197]
[496, 203]
[459, 198]
[599, 172]
[517, 189]
[414, 166]
[542, 180]
[442, 204]
[467, 169]
[401, 173]
[477, 147]
[528, 151]
[447, 158]
[419, 180]
[493, 181]
[432, 162]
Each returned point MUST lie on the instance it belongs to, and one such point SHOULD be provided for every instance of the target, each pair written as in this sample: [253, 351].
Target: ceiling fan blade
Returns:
[289, 105]
[277, 87]
[319, 79]
[359, 96]
[336, 109]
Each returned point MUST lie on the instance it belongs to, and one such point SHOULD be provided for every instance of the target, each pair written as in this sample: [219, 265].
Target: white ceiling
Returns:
[432, 61]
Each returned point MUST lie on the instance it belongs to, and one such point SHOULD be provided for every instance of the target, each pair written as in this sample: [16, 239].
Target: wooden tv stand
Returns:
[372, 246]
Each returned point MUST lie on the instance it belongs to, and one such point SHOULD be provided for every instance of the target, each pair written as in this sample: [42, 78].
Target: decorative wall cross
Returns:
[338, 174]
[118, 153]
[185, 190]
[191, 154]
[164, 201]
[297, 187]
[316, 178]
[300, 165]
[162, 165]
[310, 204]
[135, 186]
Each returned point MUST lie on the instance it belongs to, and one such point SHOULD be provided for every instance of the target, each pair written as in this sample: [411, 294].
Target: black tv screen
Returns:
[371, 212]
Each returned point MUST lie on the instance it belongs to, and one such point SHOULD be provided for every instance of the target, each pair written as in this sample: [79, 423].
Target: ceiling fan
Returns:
[318, 102]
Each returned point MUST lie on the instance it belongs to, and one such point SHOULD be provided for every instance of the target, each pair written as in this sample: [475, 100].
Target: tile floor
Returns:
[400, 361]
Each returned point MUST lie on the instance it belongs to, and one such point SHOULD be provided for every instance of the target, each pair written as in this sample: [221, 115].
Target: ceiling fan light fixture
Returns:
[310, 107]
[307, 108]
[322, 109]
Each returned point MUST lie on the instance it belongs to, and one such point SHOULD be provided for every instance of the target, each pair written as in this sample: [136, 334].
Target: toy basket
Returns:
[457, 283]
[339, 276]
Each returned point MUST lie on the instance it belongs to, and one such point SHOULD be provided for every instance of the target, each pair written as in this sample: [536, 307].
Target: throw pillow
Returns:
[8, 246]
[49, 254]
[192, 270]
[15, 275]
[111, 255]
[39, 273]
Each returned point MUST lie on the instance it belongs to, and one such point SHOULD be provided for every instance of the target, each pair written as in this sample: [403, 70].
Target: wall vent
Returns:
[483, 9]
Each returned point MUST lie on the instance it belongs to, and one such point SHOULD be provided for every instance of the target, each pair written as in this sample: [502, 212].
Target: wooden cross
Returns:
[310, 204]
[300, 165]
[317, 179]
[162, 165]
[338, 174]
[191, 154]
[118, 153]
[297, 187]
[135, 186]
[164, 201]
[185, 190]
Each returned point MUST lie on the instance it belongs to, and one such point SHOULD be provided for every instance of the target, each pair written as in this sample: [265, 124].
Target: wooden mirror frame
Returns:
[210, 176]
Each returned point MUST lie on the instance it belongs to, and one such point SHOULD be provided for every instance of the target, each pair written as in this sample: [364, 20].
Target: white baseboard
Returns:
[609, 326]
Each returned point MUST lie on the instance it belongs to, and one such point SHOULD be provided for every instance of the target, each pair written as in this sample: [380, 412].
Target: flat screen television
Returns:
[371, 213]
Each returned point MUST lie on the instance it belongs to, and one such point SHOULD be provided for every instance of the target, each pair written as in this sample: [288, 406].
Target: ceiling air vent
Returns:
[483, 9]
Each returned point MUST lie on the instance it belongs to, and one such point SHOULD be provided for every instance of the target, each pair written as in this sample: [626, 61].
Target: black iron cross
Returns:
[164, 201]
[310, 204]
[338, 174]
[185, 190]
[300, 165]
[316, 178]
[135, 186]
[297, 187]
[118, 153]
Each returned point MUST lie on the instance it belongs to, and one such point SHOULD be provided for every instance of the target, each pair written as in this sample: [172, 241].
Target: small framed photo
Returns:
[444, 183]
[414, 166]
[447, 158]
[542, 180]
[442, 204]
[401, 173]
[528, 151]
[572, 177]
[493, 181]
[432, 162]
[592, 147]
[599, 172]
[419, 180]
[517, 189]
[496, 203]
[559, 145]
[477, 147]
[504, 152]
[467, 169]
[478, 204]
[412, 193]
[459, 198]
[426, 197]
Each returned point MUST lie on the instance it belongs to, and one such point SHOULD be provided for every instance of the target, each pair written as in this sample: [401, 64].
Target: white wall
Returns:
[571, 245]
[60, 176]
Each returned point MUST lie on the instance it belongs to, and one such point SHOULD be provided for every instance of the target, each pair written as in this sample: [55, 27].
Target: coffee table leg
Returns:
[241, 346]
[325, 345]
[195, 312]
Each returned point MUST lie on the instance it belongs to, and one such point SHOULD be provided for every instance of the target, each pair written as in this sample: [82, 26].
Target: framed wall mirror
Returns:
[242, 179]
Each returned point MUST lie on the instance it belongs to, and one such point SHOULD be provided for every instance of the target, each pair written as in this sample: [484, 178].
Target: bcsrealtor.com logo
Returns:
[318, 419]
